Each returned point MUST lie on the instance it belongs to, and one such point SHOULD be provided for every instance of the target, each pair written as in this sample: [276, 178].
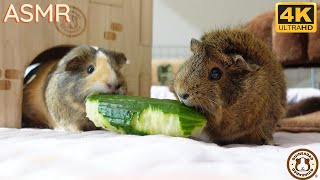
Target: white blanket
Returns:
[49, 154]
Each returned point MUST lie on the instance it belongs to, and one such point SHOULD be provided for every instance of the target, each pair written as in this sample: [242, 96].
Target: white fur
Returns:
[100, 88]
[186, 101]
[33, 76]
[121, 91]
[204, 137]
[95, 47]
[60, 128]
[180, 99]
[113, 78]
[30, 68]
[101, 55]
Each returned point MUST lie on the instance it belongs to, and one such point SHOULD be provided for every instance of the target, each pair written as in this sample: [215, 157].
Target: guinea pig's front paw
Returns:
[268, 142]
[122, 91]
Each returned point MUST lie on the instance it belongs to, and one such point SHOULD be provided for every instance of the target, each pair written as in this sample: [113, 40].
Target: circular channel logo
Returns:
[302, 164]
[76, 25]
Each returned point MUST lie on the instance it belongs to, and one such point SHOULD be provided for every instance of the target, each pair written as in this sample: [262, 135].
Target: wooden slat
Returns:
[13, 74]
[146, 22]
[111, 36]
[5, 85]
[20, 43]
[116, 27]
[116, 3]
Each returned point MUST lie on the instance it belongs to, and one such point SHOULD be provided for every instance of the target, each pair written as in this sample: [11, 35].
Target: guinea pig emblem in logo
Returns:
[302, 164]
[76, 25]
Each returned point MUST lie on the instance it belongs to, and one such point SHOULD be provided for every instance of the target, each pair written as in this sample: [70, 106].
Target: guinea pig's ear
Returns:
[74, 64]
[120, 59]
[196, 46]
[241, 63]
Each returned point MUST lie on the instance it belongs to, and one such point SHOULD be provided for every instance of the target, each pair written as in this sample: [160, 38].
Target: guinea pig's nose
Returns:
[118, 86]
[184, 96]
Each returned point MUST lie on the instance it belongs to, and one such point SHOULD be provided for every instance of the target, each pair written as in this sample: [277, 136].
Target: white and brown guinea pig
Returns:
[55, 97]
[234, 79]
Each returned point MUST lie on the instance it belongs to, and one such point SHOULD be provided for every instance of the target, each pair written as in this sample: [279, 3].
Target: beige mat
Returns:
[305, 123]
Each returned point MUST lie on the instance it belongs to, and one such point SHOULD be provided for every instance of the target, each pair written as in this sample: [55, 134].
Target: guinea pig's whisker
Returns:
[225, 110]
[208, 106]
[199, 105]
[47, 123]
[209, 103]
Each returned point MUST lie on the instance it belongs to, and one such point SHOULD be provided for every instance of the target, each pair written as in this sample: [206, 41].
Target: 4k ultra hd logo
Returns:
[296, 17]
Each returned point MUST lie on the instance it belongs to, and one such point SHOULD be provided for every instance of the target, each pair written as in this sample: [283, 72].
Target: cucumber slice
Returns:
[143, 116]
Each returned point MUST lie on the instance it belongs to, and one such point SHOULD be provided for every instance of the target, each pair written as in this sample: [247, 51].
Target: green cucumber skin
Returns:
[120, 109]
[122, 119]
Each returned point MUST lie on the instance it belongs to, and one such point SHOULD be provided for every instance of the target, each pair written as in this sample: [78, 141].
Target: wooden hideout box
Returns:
[124, 25]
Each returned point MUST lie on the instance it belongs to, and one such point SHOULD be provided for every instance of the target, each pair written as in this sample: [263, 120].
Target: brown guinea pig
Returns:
[55, 97]
[234, 79]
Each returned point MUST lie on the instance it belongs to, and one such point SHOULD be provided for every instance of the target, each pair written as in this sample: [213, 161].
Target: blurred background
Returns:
[175, 22]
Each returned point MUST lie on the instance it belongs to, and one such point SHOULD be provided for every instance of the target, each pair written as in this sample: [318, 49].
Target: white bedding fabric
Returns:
[48, 154]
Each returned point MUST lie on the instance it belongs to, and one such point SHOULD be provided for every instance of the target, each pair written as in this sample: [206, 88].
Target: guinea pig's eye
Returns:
[90, 69]
[215, 74]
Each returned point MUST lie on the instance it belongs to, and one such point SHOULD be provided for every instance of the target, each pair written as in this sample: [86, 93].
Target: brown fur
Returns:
[314, 41]
[261, 26]
[55, 97]
[290, 48]
[35, 113]
[305, 123]
[303, 107]
[245, 104]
